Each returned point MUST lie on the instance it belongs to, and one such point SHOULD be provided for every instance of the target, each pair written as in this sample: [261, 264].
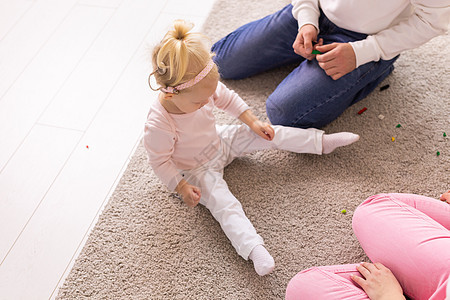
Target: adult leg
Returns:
[308, 97]
[258, 46]
[410, 235]
[328, 282]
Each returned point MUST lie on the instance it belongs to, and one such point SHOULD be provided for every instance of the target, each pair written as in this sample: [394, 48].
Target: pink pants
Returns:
[407, 233]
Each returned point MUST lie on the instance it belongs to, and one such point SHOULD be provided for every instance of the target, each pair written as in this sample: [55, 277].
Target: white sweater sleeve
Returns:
[306, 12]
[430, 19]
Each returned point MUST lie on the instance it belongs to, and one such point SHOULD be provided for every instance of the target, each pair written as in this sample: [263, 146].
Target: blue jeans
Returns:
[307, 97]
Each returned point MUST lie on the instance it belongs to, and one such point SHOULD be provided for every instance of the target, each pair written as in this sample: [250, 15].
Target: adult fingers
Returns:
[379, 266]
[359, 280]
[445, 197]
[327, 65]
[336, 76]
[329, 69]
[299, 49]
[370, 267]
[298, 43]
[307, 42]
[327, 47]
[363, 270]
[326, 56]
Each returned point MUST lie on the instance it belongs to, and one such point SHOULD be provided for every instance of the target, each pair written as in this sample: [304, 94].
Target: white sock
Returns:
[334, 140]
[262, 260]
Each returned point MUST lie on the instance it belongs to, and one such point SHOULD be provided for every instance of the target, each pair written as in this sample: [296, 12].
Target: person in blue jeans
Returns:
[359, 42]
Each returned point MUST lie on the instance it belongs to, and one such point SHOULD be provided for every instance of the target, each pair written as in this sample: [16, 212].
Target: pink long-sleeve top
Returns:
[177, 142]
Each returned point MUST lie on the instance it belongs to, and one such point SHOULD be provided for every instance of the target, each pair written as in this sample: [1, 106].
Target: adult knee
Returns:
[277, 112]
[226, 70]
[226, 63]
[299, 285]
[365, 209]
[290, 112]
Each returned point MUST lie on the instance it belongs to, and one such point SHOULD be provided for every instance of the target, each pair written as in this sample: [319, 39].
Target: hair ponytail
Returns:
[180, 29]
[180, 55]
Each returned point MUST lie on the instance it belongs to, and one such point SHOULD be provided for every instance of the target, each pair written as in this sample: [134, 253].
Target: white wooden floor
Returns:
[73, 100]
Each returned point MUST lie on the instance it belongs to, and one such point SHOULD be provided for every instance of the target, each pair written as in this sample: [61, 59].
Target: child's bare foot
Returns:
[334, 140]
[262, 260]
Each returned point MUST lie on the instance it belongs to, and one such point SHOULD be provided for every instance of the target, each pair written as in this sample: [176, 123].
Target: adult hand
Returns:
[446, 196]
[303, 44]
[191, 194]
[337, 59]
[378, 282]
[263, 129]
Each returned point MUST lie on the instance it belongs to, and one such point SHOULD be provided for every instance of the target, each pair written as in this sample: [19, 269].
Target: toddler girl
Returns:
[188, 152]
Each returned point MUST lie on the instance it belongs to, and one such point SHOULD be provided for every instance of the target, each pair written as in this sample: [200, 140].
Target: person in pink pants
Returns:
[408, 238]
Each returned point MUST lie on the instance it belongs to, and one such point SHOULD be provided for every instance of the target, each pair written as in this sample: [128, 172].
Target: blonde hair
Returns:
[181, 55]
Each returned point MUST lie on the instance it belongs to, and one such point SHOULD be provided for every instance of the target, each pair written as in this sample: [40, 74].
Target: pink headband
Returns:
[192, 82]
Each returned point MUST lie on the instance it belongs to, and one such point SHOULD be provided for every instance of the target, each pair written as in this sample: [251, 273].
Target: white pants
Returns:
[239, 140]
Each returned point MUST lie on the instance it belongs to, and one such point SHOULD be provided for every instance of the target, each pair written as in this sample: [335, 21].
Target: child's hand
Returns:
[191, 195]
[446, 196]
[263, 129]
[378, 282]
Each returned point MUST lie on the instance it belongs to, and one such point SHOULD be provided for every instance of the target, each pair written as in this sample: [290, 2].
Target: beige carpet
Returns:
[148, 245]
